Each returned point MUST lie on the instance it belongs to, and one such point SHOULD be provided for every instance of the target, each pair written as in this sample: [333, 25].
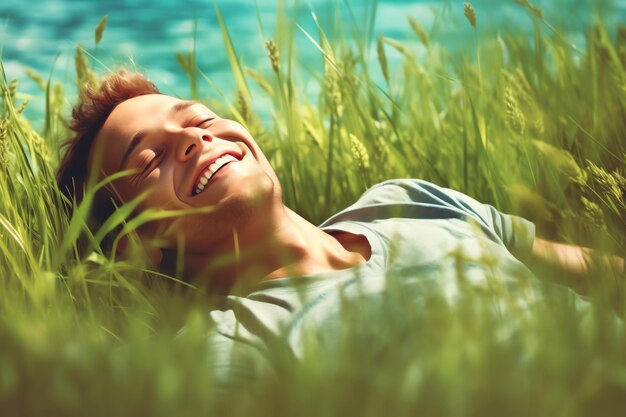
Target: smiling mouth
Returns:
[210, 171]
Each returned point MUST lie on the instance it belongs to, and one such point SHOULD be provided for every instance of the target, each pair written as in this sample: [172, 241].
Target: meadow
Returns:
[534, 126]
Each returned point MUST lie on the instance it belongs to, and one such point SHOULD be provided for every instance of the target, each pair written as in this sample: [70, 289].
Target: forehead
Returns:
[136, 112]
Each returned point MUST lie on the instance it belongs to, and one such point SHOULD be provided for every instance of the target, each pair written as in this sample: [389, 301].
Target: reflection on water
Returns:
[147, 35]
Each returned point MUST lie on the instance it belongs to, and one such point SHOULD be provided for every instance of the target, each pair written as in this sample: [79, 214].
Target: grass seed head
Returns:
[419, 31]
[359, 152]
[381, 147]
[260, 80]
[274, 55]
[13, 88]
[36, 77]
[39, 145]
[592, 213]
[398, 46]
[84, 76]
[612, 184]
[470, 13]
[185, 61]
[332, 91]
[22, 107]
[4, 143]
[382, 58]
[515, 116]
[311, 133]
[531, 7]
[244, 107]
[100, 29]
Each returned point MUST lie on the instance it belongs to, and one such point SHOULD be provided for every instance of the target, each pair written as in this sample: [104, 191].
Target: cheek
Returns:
[232, 130]
[160, 184]
[161, 177]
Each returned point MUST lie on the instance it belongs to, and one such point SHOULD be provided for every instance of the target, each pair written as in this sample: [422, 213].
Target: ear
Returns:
[140, 245]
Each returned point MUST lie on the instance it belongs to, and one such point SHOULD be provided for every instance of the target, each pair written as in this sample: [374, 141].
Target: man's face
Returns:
[188, 157]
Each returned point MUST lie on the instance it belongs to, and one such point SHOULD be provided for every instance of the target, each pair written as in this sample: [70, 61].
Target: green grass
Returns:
[538, 129]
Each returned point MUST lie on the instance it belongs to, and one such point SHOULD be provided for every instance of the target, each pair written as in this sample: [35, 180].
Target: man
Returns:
[173, 146]
[287, 272]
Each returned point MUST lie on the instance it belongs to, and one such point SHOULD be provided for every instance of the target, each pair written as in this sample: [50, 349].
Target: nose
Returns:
[191, 142]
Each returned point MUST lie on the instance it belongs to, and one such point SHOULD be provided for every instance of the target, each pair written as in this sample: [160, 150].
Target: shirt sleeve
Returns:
[421, 199]
[234, 363]
[517, 233]
[234, 360]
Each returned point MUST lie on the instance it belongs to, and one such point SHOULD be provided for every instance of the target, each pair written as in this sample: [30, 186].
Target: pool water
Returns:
[146, 35]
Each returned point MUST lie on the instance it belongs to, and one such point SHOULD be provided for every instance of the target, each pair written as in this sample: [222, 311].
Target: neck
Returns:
[283, 244]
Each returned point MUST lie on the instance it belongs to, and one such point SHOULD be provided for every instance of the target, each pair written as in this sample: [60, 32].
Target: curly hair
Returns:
[94, 106]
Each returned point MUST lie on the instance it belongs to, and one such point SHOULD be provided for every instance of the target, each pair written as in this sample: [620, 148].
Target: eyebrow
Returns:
[183, 105]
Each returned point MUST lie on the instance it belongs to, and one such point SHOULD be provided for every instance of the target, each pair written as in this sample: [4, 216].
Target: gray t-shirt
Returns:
[422, 237]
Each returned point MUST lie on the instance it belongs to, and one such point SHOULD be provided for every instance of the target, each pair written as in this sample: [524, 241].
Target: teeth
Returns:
[219, 162]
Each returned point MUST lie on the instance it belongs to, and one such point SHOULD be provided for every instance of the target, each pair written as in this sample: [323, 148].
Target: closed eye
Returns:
[206, 122]
[152, 165]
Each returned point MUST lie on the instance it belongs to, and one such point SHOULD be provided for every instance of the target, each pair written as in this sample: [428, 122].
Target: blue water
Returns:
[146, 35]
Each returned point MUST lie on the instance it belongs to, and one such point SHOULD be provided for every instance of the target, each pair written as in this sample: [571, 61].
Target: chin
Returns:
[244, 210]
[257, 196]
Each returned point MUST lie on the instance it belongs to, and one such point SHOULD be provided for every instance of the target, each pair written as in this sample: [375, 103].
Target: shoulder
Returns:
[405, 198]
[408, 190]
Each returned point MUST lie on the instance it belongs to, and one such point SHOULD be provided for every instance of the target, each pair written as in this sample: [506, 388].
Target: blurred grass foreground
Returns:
[532, 125]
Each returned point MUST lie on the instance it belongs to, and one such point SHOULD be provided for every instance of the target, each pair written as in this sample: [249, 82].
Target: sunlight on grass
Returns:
[535, 127]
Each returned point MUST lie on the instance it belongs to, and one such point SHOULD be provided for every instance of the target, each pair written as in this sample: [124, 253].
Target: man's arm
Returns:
[581, 268]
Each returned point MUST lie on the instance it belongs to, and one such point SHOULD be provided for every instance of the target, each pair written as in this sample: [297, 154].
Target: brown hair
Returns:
[94, 106]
